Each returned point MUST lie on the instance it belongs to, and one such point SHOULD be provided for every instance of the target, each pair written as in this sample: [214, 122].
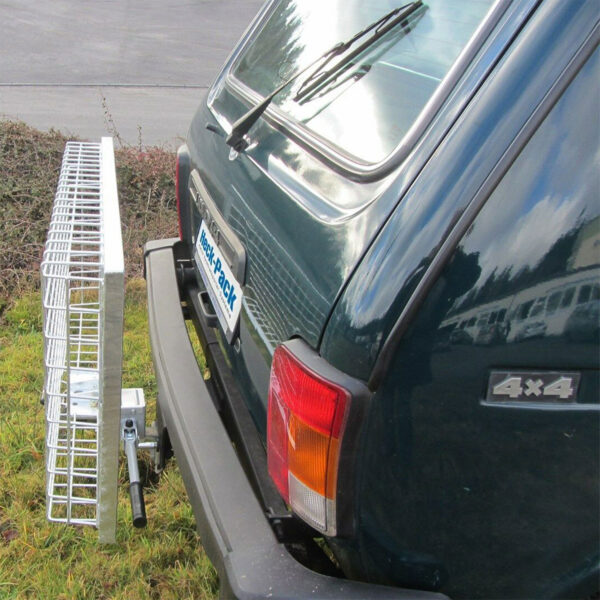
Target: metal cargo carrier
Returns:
[82, 297]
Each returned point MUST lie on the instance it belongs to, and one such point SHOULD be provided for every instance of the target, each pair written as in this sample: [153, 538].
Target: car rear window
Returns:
[368, 107]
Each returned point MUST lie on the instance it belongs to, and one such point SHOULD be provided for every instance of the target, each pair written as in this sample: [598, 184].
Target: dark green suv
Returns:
[389, 220]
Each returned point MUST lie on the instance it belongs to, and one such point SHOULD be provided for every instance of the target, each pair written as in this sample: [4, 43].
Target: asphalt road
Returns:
[137, 67]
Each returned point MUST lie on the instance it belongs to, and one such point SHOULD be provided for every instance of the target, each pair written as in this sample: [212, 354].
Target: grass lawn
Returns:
[39, 559]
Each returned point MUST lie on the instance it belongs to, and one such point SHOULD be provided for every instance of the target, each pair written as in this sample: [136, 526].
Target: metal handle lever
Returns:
[138, 508]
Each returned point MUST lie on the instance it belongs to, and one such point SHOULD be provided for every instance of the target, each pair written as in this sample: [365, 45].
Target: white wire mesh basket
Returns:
[82, 297]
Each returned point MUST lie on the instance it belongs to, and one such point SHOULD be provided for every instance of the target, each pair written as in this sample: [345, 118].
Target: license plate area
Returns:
[219, 257]
[224, 290]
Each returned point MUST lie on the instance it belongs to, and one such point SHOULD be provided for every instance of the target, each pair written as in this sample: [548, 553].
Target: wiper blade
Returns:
[384, 24]
[382, 27]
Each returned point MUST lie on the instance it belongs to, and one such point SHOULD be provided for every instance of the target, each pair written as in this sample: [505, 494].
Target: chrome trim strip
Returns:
[558, 406]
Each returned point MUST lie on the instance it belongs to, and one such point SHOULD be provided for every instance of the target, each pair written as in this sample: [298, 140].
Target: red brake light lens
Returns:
[306, 419]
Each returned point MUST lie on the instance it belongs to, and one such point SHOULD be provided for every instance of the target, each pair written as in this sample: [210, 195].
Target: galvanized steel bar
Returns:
[112, 299]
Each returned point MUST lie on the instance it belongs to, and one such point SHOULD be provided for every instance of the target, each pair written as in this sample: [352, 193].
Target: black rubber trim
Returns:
[234, 530]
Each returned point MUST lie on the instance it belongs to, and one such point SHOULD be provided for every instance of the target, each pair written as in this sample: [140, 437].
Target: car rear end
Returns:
[318, 266]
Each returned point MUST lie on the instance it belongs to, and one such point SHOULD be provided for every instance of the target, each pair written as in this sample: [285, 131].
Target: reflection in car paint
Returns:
[549, 308]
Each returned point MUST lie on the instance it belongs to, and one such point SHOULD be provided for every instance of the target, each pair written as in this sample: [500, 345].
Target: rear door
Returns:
[322, 173]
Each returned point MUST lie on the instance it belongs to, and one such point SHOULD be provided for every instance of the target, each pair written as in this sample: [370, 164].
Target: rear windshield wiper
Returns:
[320, 77]
[384, 24]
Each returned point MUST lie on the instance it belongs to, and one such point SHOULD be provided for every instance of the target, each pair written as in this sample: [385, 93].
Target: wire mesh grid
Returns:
[72, 278]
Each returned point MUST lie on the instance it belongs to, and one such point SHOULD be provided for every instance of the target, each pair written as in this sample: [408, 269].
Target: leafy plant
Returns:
[30, 164]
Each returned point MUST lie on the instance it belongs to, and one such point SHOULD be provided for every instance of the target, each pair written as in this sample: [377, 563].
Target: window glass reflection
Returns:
[368, 106]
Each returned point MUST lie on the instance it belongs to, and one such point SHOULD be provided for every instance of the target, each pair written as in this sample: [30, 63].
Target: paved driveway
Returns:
[138, 66]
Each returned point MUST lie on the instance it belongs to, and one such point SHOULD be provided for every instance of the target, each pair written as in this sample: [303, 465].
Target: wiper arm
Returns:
[241, 127]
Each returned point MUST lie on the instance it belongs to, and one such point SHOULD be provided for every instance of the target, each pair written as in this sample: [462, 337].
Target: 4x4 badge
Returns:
[532, 386]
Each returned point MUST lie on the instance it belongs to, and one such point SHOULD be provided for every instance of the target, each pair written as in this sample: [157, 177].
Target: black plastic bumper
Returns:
[235, 533]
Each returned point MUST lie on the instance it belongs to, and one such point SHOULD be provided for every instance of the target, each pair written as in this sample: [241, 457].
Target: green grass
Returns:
[43, 560]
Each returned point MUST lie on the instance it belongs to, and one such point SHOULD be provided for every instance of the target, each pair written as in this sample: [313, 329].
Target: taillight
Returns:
[307, 417]
[178, 195]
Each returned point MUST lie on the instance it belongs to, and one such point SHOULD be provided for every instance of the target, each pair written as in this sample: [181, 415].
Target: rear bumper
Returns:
[235, 533]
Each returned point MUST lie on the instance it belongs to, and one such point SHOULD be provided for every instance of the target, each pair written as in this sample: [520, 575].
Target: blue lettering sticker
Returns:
[223, 288]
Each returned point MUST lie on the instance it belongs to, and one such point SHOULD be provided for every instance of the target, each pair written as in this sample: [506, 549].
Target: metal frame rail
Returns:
[82, 297]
